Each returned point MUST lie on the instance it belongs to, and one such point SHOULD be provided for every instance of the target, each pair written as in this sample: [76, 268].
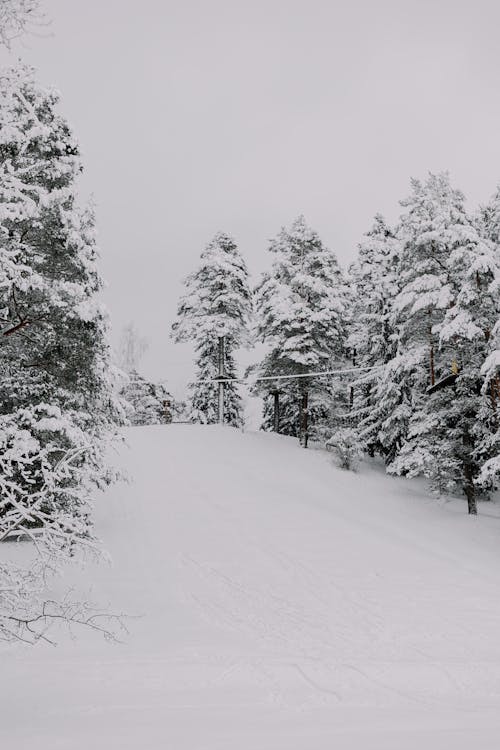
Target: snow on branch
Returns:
[32, 626]
[18, 17]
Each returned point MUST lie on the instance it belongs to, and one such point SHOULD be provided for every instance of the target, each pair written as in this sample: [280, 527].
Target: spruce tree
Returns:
[443, 315]
[371, 339]
[486, 294]
[302, 316]
[216, 307]
[488, 451]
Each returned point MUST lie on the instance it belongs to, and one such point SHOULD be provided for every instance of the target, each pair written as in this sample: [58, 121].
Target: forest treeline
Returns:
[413, 324]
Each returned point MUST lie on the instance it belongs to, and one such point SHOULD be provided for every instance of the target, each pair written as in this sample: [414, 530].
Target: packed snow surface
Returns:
[281, 603]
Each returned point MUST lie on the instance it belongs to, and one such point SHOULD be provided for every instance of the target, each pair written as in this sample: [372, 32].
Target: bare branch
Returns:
[33, 628]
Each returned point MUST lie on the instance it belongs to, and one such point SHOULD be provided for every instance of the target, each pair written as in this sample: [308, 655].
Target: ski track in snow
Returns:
[281, 602]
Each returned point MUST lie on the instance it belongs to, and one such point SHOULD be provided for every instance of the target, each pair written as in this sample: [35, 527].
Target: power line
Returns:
[299, 375]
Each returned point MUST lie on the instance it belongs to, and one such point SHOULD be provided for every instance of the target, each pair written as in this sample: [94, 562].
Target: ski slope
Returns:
[278, 603]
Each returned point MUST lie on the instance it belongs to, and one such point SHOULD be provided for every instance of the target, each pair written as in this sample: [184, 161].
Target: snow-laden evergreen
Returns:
[302, 309]
[425, 312]
[488, 452]
[442, 316]
[374, 285]
[217, 305]
[57, 404]
[485, 297]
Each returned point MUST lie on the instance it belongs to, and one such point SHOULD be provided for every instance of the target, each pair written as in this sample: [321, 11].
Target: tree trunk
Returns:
[470, 490]
[304, 419]
[469, 486]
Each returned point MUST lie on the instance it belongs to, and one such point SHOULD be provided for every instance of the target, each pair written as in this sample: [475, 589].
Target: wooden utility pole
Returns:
[221, 375]
[276, 413]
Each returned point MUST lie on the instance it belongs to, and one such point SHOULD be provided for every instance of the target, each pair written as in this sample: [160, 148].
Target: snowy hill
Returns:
[284, 605]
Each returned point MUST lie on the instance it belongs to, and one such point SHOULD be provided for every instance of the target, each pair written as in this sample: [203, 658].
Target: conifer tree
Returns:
[372, 340]
[216, 306]
[487, 293]
[488, 450]
[488, 219]
[57, 408]
[302, 317]
[443, 315]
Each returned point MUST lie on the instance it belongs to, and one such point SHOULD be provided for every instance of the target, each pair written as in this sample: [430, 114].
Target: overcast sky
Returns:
[237, 115]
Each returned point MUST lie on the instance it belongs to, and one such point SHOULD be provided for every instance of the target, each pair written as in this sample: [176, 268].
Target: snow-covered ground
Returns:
[284, 605]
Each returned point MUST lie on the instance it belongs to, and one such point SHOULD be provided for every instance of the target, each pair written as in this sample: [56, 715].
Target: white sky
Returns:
[240, 114]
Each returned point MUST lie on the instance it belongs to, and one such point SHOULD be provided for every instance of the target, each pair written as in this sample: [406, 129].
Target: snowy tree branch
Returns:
[32, 628]
[18, 17]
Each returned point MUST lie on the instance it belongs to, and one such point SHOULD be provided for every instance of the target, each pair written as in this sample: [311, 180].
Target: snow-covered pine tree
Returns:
[443, 317]
[488, 450]
[488, 427]
[488, 219]
[57, 404]
[371, 339]
[467, 327]
[216, 306]
[302, 307]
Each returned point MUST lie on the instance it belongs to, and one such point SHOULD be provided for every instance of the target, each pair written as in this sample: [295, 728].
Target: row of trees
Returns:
[426, 314]
[413, 324]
